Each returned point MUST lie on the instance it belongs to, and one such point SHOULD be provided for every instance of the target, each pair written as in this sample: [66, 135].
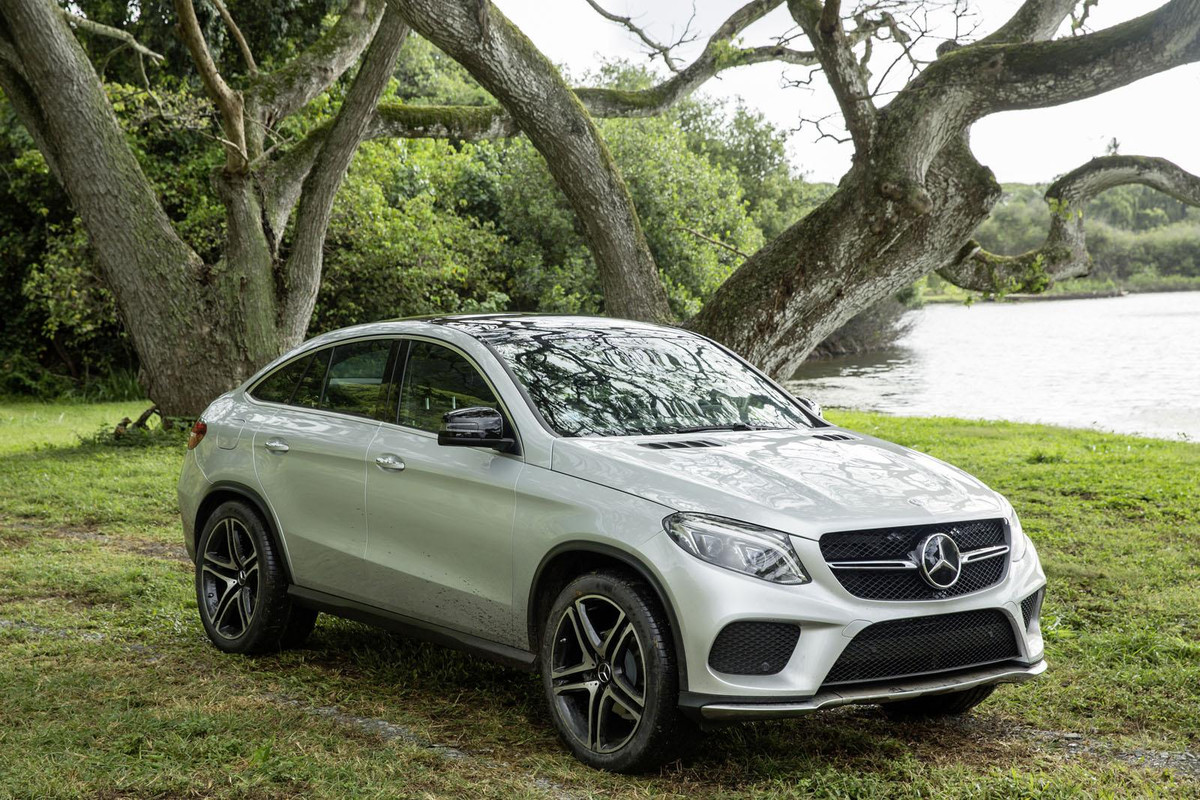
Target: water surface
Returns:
[1128, 364]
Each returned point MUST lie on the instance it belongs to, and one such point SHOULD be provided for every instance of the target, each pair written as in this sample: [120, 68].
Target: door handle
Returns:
[276, 445]
[391, 463]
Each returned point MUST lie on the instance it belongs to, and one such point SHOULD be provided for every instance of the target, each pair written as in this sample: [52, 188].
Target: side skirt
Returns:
[414, 628]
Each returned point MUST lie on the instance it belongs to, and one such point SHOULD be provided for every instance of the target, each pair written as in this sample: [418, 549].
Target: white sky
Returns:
[1158, 116]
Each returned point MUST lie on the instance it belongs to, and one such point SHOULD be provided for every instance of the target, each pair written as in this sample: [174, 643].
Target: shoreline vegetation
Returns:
[108, 686]
[1075, 289]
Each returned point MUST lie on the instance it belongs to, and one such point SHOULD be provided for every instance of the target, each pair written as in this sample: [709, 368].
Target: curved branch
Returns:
[236, 33]
[719, 54]
[847, 76]
[1034, 21]
[85, 24]
[503, 60]
[975, 81]
[228, 102]
[281, 93]
[302, 273]
[1064, 253]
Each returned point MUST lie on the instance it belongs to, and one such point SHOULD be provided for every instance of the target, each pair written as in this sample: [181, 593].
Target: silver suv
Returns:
[665, 534]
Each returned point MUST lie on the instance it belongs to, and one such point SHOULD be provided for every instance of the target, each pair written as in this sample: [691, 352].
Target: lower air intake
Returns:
[753, 648]
[910, 647]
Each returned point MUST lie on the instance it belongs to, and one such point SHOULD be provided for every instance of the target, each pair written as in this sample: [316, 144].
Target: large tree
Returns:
[907, 207]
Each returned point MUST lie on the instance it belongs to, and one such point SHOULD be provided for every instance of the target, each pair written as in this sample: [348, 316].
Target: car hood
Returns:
[787, 480]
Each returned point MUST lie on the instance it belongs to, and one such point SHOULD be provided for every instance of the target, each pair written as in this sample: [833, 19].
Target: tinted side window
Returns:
[308, 393]
[437, 380]
[358, 378]
[279, 385]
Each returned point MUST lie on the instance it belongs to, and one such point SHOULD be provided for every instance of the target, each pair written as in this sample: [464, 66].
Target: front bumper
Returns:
[707, 598]
[901, 689]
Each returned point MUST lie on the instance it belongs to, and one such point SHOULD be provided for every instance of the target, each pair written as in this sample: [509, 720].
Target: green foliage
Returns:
[394, 249]
[418, 227]
[680, 196]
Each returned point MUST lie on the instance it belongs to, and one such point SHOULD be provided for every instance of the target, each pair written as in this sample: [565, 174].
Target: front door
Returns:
[440, 519]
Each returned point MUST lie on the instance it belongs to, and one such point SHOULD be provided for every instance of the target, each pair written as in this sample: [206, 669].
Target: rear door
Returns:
[310, 457]
[440, 519]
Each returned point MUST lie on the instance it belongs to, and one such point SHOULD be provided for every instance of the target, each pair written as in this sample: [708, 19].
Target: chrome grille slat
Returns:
[878, 564]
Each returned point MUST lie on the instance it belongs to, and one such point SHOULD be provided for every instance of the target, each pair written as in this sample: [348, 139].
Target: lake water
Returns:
[1127, 364]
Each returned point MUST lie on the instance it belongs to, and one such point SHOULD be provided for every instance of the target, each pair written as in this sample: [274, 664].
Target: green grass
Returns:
[108, 687]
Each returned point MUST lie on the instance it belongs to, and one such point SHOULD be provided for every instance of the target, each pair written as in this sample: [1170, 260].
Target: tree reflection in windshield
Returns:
[621, 379]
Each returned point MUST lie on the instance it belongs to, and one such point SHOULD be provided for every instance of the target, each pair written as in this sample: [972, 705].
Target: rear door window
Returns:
[359, 378]
[278, 386]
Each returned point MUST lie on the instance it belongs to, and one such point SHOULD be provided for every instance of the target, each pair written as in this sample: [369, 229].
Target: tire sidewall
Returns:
[661, 694]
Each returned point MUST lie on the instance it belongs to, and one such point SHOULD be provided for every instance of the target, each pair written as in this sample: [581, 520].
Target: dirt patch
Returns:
[151, 548]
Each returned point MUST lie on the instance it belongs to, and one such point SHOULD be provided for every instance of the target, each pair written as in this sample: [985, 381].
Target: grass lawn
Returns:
[109, 688]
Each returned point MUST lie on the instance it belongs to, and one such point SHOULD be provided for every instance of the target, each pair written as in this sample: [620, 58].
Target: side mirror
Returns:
[477, 426]
[811, 406]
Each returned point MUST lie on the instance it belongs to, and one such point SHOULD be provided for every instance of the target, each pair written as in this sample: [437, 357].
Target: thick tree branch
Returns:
[229, 103]
[302, 273]
[236, 33]
[1034, 21]
[847, 76]
[281, 93]
[16, 89]
[1064, 253]
[973, 82]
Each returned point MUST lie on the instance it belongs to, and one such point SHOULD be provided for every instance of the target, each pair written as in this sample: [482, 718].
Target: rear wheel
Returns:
[608, 670]
[939, 705]
[241, 586]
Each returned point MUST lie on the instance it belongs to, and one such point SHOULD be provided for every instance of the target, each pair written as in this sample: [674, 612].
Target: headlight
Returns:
[738, 546]
[1020, 542]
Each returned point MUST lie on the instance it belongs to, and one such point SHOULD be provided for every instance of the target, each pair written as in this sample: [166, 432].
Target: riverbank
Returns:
[1075, 289]
[108, 686]
[1125, 364]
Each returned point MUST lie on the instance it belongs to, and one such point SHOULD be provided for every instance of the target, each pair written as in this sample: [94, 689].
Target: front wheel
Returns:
[609, 674]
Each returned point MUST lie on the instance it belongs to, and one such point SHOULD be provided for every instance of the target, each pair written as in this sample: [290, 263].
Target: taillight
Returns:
[198, 431]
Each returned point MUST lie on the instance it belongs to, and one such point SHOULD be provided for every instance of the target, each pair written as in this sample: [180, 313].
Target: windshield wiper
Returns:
[733, 426]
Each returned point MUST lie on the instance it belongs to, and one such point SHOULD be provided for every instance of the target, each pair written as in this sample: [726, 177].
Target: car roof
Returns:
[480, 324]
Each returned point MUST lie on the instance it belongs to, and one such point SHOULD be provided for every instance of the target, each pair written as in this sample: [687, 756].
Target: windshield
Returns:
[622, 381]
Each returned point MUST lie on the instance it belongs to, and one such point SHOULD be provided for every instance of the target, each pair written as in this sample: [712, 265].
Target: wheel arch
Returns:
[223, 491]
[567, 561]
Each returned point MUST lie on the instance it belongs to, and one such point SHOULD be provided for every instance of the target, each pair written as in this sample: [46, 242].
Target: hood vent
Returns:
[834, 437]
[676, 445]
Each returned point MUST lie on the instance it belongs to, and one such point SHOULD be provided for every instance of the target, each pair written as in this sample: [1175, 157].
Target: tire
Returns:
[621, 654]
[241, 585]
[938, 705]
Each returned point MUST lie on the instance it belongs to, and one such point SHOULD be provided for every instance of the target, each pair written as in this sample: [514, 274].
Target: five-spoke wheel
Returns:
[599, 674]
[241, 585]
[230, 578]
[608, 668]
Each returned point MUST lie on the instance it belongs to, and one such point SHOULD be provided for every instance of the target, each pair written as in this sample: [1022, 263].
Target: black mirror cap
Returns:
[477, 426]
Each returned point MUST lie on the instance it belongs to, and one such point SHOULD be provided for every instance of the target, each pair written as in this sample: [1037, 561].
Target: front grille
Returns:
[753, 648]
[898, 544]
[1031, 607]
[910, 647]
